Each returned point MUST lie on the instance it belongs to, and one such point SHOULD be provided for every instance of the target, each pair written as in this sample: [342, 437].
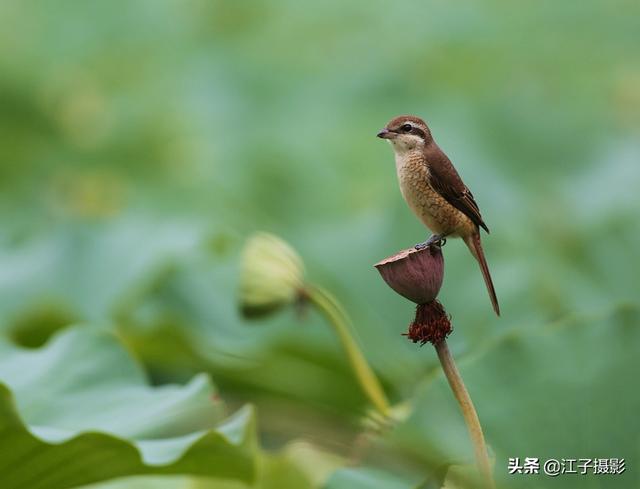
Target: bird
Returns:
[434, 191]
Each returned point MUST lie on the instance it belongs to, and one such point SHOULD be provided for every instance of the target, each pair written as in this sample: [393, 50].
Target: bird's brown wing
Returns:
[445, 180]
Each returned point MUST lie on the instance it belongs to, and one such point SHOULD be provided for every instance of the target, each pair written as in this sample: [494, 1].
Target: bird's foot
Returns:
[435, 239]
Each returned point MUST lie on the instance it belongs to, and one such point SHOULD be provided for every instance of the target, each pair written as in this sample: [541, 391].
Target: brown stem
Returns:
[468, 411]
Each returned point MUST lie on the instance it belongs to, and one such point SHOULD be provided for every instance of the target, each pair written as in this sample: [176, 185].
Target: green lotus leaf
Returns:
[79, 410]
[366, 478]
[298, 465]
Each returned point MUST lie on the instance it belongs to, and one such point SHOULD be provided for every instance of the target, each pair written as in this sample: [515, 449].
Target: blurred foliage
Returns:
[142, 430]
[141, 142]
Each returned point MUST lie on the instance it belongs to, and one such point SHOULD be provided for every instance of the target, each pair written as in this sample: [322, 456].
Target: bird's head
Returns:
[406, 133]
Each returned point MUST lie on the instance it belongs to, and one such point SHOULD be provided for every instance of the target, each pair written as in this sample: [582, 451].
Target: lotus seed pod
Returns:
[414, 274]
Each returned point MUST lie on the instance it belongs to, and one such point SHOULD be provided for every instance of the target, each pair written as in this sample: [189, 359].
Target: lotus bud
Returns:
[417, 275]
[271, 276]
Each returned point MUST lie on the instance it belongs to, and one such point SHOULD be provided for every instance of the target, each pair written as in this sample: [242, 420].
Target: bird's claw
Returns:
[435, 239]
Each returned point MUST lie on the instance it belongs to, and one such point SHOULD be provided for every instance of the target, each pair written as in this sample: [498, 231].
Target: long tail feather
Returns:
[474, 245]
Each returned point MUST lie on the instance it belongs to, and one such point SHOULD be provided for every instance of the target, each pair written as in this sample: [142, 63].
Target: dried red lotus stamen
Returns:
[431, 325]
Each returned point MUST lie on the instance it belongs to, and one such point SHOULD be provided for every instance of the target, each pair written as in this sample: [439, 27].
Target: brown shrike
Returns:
[434, 190]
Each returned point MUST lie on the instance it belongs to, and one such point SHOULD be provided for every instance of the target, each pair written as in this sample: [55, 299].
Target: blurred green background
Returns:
[142, 142]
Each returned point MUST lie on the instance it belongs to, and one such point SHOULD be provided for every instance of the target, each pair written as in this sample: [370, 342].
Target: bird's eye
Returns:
[406, 128]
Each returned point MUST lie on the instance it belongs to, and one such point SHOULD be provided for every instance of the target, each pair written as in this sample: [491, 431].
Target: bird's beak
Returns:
[386, 134]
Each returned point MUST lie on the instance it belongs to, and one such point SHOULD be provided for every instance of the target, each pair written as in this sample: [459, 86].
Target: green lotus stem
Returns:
[468, 412]
[337, 317]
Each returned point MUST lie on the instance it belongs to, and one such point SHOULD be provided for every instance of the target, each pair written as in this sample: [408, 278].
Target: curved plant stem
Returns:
[468, 412]
[337, 317]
